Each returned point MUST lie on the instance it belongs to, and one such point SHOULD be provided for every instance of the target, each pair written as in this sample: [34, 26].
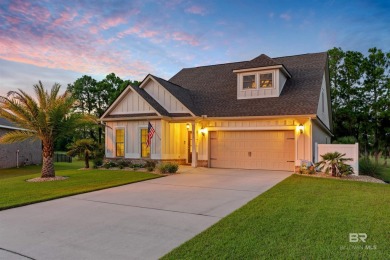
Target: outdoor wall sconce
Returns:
[188, 126]
[203, 131]
[300, 128]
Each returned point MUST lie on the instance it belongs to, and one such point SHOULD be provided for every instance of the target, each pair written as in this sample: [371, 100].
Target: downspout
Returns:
[17, 158]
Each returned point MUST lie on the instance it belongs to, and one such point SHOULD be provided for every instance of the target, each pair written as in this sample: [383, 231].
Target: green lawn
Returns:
[15, 191]
[300, 218]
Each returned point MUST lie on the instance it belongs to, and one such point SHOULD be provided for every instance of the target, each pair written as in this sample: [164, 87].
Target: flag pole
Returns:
[156, 131]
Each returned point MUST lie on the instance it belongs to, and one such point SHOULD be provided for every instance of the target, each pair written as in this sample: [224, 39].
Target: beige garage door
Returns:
[271, 150]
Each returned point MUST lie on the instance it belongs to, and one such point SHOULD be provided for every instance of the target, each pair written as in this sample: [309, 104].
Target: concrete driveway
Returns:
[138, 221]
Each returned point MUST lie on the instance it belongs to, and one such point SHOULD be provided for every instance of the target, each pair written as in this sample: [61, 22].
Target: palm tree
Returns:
[44, 118]
[85, 146]
[333, 162]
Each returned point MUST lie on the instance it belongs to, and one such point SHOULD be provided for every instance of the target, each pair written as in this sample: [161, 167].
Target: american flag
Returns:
[151, 132]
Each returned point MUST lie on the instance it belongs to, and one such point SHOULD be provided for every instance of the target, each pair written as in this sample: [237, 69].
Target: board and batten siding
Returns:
[164, 98]
[169, 141]
[319, 137]
[132, 103]
[323, 109]
[133, 138]
[174, 144]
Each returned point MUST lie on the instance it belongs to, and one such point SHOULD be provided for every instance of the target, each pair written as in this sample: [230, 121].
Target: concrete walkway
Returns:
[137, 221]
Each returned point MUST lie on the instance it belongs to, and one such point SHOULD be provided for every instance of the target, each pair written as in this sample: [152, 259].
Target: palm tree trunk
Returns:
[333, 169]
[86, 159]
[48, 164]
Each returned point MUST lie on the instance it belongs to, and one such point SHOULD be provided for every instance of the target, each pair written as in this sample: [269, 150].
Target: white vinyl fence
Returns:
[350, 150]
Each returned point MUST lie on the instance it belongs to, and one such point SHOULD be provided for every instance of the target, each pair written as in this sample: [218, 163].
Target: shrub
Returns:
[168, 167]
[97, 162]
[307, 167]
[122, 163]
[109, 164]
[150, 165]
[370, 168]
[333, 162]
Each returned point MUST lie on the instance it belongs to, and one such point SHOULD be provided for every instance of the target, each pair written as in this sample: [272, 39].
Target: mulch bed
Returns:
[362, 178]
[39, 179]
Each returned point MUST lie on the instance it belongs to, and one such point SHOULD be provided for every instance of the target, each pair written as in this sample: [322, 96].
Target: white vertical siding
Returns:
[132, 103]
[282, 81]
[319, 137]
[133, 138]
[323, 105]
[174, 143]
[166, 99]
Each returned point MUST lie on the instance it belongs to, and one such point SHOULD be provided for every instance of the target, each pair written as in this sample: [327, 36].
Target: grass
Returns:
[300, 218]
[15, 191]
[383, 171]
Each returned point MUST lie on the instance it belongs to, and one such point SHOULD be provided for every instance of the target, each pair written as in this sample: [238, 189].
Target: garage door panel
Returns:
[253, 150]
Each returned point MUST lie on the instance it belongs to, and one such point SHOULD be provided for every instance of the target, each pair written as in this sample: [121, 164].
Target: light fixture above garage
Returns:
[188, 126]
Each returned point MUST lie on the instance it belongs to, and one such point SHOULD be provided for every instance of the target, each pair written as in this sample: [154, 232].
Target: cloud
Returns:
[141, 31]
[285, 16]
[112, 22]
[65, 17]
[186, 38]
[196, 9]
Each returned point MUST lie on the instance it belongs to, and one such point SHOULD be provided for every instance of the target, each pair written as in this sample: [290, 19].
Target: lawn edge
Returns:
[76, 193]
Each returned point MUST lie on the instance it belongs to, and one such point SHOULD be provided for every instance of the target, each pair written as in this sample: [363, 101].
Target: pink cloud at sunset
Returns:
[134, 38]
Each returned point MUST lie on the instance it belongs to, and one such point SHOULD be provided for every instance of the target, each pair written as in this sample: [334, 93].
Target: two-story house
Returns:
[266, 113]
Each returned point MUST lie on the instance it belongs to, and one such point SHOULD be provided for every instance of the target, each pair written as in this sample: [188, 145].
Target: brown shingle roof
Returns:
[182, 94]
[151, 101]
[260, 61]
[214, 88]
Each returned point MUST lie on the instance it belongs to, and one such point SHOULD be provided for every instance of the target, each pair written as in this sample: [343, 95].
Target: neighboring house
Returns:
[21, 153]
[266, 113]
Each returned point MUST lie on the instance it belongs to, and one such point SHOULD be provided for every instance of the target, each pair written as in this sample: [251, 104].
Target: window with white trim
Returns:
[266, 80]
[249, 82]
[120, 142]
[259, 80]
[145, 149]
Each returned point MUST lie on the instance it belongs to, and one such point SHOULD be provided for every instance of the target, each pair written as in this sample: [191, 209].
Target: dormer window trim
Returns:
[258, 79]
[281, 67]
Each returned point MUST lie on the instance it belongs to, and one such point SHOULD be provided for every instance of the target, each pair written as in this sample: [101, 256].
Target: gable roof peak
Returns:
[260, 61]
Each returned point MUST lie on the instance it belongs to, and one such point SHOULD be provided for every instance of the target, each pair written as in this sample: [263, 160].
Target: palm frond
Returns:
[17, 136]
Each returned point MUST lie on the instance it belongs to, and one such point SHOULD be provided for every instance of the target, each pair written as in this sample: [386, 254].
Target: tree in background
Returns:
[360, 97]
[45, 117]
[82, 146]
[376, 90]
[94, 97]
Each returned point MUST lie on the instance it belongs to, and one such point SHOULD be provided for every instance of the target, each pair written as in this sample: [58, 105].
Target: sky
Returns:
[59, 41]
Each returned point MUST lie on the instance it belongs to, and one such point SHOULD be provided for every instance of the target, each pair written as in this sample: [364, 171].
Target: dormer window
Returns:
[259, 80]
[261, 77]
[249, 82]
[266, 80]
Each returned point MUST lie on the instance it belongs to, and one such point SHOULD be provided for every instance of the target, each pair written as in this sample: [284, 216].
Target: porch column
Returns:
[194, 157]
